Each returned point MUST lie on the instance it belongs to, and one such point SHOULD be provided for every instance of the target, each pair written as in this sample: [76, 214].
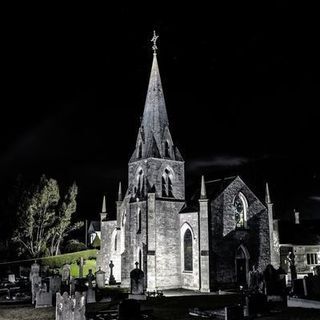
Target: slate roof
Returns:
[96, 225]
[213, 187]
[307, 232]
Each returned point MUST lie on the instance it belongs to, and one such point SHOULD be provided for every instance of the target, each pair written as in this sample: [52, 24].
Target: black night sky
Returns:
[241, 85]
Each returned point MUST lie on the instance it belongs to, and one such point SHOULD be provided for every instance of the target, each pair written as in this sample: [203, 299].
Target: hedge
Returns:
[60, 260]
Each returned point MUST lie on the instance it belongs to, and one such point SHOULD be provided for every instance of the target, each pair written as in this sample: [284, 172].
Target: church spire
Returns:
[104, 208]
[203, 193]
[120, 192]
[154, 138]
[268, 198]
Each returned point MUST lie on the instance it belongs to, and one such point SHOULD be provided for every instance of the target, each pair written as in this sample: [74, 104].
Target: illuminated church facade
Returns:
[205, 243]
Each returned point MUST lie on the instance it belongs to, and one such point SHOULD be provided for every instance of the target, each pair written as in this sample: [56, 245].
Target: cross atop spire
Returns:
[154, 40]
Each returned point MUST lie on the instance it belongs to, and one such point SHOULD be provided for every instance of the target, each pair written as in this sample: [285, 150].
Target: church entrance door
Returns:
[242, 261]
[241, 272]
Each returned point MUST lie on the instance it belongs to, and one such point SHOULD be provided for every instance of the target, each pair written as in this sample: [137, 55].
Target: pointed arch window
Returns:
[140, 184]
[167, 188]
[187, 251]
[166, 149]
[139, 221]
[140, 259]
[115, 242]
[140, 150]
[241, 209]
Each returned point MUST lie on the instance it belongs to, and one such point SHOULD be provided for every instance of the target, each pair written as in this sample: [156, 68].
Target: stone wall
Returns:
[153, 170]
[104, 256]
[226, 239]
[190, 280]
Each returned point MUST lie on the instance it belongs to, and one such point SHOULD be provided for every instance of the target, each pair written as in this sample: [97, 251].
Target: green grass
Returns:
[89, 264]
[71, 258]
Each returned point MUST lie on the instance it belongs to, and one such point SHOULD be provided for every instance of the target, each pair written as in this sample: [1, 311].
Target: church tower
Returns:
[156, 193]
[156, 163]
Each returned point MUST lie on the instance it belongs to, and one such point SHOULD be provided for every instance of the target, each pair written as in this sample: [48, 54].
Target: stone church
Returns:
[205, 243]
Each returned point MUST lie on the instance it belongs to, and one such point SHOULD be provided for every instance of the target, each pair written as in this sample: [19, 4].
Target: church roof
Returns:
[95, 226]
[154, 129]
[213, 189]
[305, 233]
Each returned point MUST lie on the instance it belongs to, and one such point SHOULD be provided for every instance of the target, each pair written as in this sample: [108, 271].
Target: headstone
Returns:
[255, 281]
[35, 280]
[66, 273]
[64, 307]
[43, 297]
[81, 263]
[275, 288]
[55, 283]
[112, 280]
[79, 306]
[100, 279]
[137, 284]
[90, 278]
[12, 278]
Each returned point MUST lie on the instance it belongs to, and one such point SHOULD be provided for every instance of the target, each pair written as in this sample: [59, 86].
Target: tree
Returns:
[63, 226]
[44, 220]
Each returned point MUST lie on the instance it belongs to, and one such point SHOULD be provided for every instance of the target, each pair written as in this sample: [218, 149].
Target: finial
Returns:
[104, 209]
[268, 199]
[203, 193]
[120, 192]
[154, 40]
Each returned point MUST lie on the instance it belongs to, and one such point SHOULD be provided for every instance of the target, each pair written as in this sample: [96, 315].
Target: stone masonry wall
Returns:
[226, 239]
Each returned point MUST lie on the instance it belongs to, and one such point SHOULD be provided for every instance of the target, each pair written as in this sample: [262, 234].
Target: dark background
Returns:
[241, 83]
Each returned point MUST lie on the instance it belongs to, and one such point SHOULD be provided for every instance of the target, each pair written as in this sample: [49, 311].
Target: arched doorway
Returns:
[242, 265]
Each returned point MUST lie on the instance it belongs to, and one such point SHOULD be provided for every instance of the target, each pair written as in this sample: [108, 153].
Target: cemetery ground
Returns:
[175, 308]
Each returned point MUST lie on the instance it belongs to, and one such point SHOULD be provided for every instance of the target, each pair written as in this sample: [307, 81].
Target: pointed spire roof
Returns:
[120, 192]
[268, 199]
[155, 118]
[104, 208]
[203, 192]
[154, 129]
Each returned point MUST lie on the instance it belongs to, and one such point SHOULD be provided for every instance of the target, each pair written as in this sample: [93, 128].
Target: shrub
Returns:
[74, 246]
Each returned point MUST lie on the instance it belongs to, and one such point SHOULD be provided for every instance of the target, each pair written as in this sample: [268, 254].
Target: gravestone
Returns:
[81, 264]
[35, 280]
[100, 279]
[12, 278]
[65, 273]
[91, 294]
[137, 284]
[65, 279]
[112, 280]
[255, 281]
[64, 307]
[43, 297]
[79, 306]
[55, 283]
[275, 287]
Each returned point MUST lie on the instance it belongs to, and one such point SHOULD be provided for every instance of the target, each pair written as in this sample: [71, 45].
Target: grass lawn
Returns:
[26, 313]
[89, 264]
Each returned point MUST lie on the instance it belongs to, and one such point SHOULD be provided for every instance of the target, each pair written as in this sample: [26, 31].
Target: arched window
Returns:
[140, 259]
[187, 250]
[139, 221]
[167, 189]
[166, 149]
[140, 150]
[140, 184]
[115, 243]
[241, 208]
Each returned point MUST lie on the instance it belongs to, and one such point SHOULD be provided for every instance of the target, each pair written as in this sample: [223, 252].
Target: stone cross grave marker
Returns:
[112, 280]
